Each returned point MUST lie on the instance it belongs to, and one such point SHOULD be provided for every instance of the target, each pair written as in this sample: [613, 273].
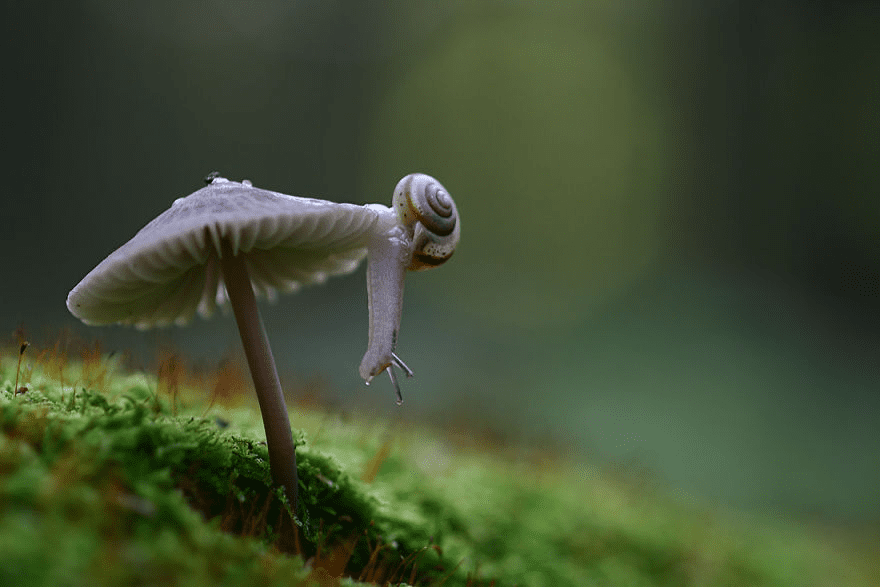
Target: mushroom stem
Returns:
[282, 455]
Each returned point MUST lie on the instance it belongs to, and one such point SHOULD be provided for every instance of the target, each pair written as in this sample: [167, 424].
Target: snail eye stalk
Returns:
[397, 362]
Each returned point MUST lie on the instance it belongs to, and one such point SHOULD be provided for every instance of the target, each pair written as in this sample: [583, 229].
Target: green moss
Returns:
[105, 483]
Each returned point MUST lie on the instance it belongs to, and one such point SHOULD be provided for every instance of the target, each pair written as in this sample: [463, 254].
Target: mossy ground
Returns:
[116, 478]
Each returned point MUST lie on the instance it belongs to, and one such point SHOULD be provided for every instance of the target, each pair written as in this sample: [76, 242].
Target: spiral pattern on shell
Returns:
[425, 207]
[421, 198]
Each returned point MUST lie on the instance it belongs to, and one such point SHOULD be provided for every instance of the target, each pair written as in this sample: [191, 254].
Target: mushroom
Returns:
[229, 241]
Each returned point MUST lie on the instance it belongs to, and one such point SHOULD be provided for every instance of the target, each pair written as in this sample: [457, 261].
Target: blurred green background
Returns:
[671, 211]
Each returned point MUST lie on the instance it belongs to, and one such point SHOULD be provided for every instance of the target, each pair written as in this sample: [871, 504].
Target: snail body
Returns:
[421, 232]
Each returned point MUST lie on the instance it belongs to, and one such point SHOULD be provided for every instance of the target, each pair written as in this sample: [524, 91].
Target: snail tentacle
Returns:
[399, 362]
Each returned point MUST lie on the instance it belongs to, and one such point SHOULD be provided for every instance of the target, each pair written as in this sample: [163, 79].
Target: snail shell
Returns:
[428, 213]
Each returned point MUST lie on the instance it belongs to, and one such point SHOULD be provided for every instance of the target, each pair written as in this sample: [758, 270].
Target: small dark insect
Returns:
[209, 179]
[22, 389]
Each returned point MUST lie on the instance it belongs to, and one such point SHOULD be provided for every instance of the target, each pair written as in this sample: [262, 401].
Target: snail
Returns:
[421, 234]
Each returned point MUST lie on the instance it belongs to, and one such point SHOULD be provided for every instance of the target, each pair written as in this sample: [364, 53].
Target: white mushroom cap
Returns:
[170, 268]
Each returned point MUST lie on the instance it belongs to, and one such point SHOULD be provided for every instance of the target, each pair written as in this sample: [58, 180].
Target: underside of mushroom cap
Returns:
[170, 269]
